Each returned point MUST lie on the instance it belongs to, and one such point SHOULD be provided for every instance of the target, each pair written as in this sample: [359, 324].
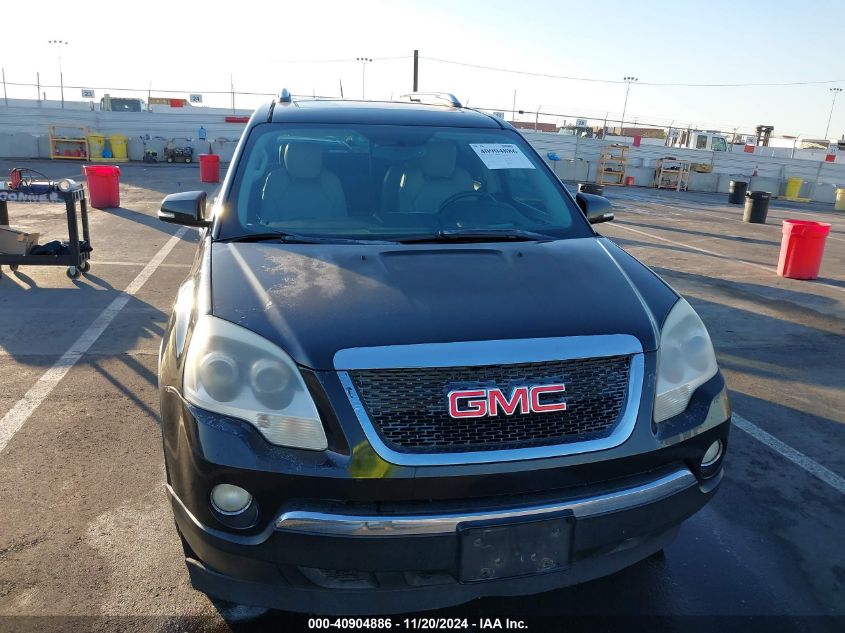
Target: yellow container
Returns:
[840, 199]
[793, 187]
[96, 143]
[118, 146]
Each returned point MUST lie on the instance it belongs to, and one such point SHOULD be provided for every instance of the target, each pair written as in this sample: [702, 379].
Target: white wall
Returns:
[24, 127]
[772, 171]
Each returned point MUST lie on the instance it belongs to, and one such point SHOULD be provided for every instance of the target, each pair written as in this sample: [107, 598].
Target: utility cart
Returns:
[75, 255]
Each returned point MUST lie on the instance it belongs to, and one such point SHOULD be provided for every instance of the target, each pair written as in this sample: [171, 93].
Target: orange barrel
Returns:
[802, 248]
[629, 181]
[103, 185]
[209, 168]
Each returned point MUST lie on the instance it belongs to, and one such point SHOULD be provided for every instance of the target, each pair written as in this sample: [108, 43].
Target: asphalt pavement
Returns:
[86, 535]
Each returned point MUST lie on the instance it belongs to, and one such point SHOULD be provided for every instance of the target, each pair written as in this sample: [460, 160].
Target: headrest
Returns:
[439, 160]
[303, 160]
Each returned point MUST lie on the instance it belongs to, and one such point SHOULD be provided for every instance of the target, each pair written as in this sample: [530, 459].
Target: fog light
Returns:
[228, 499]
[714, 452]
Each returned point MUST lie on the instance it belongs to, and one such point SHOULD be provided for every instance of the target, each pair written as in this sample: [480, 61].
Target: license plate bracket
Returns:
[497, 549]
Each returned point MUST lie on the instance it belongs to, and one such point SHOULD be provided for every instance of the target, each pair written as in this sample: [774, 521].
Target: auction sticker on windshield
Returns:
[501, 156]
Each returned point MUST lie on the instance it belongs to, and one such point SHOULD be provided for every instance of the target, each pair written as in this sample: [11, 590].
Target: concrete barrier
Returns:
[703, 182]
[819, 192]
[643, 176]
[571, 170]
[764, 183]
[19, 145]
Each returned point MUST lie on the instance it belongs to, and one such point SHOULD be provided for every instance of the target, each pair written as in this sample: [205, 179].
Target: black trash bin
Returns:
[591, 187]
[736, 192]
[756, 207]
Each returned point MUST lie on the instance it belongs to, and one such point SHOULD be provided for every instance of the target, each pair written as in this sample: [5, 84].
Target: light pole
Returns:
[364, 61]
[835, 92]
[537, 116]
[58, 44]
[629, 81]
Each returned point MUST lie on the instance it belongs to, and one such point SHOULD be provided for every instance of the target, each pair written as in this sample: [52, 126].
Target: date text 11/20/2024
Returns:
[413, 624]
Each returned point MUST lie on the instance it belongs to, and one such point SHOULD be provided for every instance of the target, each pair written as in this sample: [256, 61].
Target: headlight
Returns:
[235, 372]
[685, 360]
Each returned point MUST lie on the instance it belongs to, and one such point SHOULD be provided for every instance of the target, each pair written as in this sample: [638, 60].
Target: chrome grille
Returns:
[408, 408]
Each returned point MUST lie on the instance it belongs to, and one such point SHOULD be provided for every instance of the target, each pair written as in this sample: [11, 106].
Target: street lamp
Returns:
[629, 81]
[835, 92]
[58, 44]
[364, 61]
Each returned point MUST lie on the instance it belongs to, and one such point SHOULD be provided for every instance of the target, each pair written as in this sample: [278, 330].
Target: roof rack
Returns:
[433, 98]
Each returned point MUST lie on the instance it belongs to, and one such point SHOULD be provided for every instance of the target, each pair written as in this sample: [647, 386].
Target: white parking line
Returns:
[17, 416]
[695, 248]
[687, 212]
[768, 269]
[99, 262]
[796, 457]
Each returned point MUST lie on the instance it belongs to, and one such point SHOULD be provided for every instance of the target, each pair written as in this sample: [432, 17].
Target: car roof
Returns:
[377, 112]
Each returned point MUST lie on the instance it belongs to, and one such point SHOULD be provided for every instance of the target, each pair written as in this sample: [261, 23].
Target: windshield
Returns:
[385, 182]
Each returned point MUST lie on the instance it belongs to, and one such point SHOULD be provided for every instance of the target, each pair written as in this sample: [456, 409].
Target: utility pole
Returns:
[416, 70]
[835, 92]
[58, 44]
[513, 111]
[537, 117]
[38, 87]
[232, 88]
[629, 81]
[364, 61]
[5, 97]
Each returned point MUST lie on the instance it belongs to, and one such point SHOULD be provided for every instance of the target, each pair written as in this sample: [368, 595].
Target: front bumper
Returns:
[331, 560]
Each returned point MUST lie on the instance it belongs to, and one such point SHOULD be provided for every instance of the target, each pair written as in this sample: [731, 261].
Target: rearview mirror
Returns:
[596, 208]
[186, 208]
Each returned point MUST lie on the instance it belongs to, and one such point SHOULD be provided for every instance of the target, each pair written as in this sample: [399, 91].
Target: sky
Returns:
[194, 47]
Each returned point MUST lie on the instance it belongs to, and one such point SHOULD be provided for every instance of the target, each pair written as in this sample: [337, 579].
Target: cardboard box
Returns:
[16, 241]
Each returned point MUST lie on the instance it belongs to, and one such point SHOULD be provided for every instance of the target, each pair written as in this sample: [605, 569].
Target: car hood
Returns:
[315, 299]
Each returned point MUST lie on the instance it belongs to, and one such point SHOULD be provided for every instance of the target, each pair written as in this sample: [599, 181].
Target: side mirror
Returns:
[596, 208]
[186, 208]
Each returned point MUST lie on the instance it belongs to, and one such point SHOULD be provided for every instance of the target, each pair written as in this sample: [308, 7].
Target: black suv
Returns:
[405, 372]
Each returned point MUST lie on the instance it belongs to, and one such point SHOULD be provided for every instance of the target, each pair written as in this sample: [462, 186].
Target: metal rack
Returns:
[672, 174]
[612, 164]
[76, 144]
[76, 259]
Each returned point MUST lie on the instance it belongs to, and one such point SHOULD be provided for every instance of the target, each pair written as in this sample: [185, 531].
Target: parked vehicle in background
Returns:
[697, 139]
[122, 104]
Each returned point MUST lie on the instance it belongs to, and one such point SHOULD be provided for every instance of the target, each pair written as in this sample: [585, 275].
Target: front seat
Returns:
[423, 189]
[304, 189]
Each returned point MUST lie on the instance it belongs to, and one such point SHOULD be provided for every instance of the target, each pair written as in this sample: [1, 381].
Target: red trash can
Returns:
[802, 248]
[103, 185]
[209, 168]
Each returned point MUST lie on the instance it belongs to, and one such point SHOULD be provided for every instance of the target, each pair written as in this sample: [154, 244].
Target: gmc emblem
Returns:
[478, 403]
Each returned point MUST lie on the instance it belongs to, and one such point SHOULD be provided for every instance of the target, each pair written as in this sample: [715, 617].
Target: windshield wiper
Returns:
[480, 235]
[294, 238]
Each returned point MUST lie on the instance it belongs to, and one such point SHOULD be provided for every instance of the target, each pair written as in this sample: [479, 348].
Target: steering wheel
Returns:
[480, 195]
